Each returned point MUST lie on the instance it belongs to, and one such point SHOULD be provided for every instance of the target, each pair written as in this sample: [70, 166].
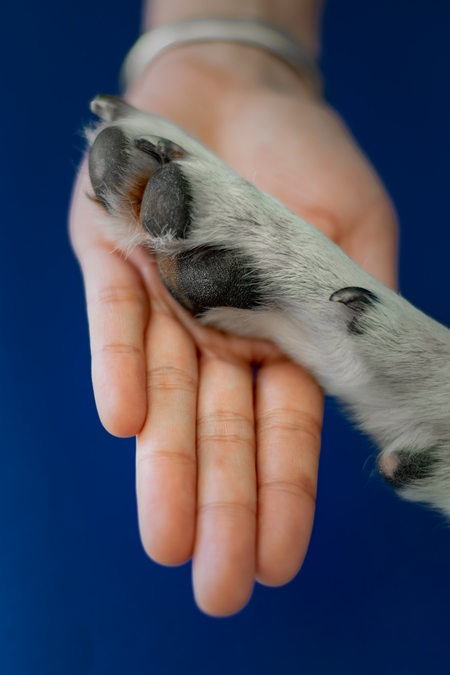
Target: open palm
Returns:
[228, 430]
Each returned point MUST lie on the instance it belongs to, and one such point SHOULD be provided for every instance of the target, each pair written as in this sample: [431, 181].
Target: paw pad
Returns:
[205, 278]
[165, 206]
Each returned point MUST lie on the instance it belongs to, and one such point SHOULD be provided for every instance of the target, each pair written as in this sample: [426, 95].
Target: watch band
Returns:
[247, 31]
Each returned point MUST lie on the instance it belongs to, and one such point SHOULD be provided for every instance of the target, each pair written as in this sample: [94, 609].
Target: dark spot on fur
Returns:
[205, 278]
[165, 207]
[108, 158]
[411, 467]
[358, 300]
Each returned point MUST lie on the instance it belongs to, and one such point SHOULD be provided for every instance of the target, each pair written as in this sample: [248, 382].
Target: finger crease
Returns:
[290, 421]
[297, 488]
[170, 378]
[226, 427]
[116, 296]
[153, 456]
[229, 508]
[118, 348]
[224, 437]
[226, 417]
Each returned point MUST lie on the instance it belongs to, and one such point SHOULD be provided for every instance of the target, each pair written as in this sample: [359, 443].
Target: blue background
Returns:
[77, 594]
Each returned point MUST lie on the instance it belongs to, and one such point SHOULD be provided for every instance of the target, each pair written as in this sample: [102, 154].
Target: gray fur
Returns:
[392, 370]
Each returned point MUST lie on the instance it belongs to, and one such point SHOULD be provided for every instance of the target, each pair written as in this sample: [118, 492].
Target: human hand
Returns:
[179, 385]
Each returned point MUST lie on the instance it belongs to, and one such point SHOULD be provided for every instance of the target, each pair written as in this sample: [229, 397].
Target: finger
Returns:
[288, 422]
[165, 456]
[118, 312]
[224, 555]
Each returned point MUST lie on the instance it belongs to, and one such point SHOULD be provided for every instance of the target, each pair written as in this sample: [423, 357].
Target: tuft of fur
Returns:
[384, 359]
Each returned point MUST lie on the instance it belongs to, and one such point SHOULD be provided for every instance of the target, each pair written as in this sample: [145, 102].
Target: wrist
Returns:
[299, 18]
[211, 70]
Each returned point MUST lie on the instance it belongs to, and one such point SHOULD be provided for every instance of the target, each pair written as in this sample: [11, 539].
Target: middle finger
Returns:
[224, 554]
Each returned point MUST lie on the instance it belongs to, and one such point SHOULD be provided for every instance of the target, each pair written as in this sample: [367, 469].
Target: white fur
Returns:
[394, 377]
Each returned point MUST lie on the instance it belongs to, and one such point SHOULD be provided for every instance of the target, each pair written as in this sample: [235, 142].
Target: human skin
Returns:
[226, 462]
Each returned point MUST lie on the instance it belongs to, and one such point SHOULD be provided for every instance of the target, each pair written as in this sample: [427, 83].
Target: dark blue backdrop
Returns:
[78, 595]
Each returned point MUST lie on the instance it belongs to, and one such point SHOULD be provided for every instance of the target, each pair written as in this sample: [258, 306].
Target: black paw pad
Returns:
[205, 278]
[165, 207]
[108, 158]
[406, 467]
[118, 169]
[357, 299]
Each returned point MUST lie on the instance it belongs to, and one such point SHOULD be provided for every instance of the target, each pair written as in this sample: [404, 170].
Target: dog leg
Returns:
[240, 261]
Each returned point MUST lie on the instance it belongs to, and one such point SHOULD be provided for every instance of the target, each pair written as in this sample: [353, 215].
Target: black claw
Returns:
[164, 150]
[207, 278]
[357, 299]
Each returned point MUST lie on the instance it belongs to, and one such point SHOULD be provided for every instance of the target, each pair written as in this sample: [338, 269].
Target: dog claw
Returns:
[110, 108]
[355, 297]
[160, 148]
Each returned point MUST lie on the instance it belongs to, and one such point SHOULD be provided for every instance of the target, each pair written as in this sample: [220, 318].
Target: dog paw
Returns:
[240, 261]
